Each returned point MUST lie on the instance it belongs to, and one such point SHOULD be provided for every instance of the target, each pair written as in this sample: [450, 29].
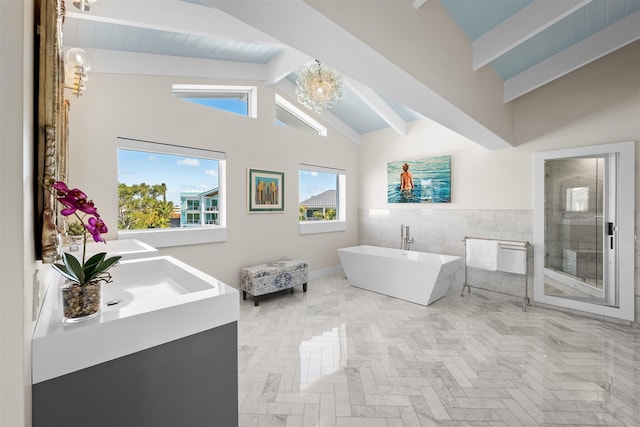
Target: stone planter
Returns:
[80, 302]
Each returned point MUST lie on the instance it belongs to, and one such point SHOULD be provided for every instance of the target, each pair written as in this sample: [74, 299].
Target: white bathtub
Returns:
[418, 277]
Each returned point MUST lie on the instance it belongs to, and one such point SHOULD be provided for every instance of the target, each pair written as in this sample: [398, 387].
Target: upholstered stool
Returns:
[272, 277]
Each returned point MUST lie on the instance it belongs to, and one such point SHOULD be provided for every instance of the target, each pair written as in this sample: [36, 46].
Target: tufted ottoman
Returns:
[272, 277]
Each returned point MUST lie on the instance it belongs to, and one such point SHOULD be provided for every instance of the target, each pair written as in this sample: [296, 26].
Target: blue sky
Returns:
[314, 183]
[178, 172]
[190, 174]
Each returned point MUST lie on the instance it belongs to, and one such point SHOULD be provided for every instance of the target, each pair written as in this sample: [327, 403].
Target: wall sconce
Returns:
[83, 5]
[76, 65]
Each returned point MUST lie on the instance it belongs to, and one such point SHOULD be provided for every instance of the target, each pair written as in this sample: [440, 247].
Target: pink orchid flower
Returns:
[96, 227]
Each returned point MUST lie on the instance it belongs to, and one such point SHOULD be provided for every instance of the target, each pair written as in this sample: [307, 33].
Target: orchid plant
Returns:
[93, 270]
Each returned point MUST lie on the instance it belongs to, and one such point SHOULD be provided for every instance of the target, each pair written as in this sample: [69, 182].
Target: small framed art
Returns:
[266, 191]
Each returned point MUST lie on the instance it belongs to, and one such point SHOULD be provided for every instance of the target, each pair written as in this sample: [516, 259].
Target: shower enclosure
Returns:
[576, 207]
[584, 229]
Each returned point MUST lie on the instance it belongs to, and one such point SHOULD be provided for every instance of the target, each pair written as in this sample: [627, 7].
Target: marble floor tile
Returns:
[339, 356]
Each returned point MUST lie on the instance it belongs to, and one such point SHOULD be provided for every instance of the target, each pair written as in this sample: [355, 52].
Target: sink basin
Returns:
[151, 301]
[126, 248]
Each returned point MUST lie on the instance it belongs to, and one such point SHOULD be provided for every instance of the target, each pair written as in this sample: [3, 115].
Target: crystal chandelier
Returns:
[319, 87]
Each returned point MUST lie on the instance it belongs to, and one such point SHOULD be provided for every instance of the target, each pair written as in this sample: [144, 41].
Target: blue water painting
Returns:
[431, 181]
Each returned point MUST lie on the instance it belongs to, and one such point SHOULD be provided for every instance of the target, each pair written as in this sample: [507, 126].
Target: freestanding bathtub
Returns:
[418, 277]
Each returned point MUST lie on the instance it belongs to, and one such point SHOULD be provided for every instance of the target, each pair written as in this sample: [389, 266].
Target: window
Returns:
[193, 205]
[322, 197]
[193, 218]
[291, 116]
[577, 199]
[240, 100]
[166, 190]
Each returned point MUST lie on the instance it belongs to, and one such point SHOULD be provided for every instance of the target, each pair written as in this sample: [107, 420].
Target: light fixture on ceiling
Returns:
[318, 87]
[76, 65]
[83, 5]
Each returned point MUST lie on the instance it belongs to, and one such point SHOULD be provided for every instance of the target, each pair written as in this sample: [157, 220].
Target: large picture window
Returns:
[165, 188]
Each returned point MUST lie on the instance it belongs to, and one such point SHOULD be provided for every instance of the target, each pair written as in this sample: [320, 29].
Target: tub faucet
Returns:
[405, 240]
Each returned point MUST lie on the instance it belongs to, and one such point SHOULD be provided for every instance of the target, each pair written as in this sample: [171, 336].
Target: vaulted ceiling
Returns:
[507, 47]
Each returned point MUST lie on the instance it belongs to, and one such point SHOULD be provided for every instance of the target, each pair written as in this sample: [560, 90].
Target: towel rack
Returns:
[514, 248]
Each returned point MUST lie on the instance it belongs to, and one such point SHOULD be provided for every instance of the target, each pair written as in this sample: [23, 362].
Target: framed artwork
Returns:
[266, 191]
[419, 181]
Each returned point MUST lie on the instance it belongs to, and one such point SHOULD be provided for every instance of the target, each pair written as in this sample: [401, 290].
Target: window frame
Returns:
[167, 237]
[290, 108]
[209, 91]
[333, 225]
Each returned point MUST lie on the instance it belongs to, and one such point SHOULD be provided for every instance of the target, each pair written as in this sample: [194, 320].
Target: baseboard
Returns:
[329, 271]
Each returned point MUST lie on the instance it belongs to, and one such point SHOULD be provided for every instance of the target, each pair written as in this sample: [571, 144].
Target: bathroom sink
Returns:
[151, 301]
[126, 248]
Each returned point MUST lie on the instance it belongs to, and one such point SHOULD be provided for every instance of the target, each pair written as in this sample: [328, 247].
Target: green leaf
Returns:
[73, 265]
[103, 266]
[92, 263]
[62, 269]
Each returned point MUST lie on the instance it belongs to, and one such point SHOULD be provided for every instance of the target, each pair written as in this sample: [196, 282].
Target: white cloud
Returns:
[211, 172]
[151, 158]
[189, 162]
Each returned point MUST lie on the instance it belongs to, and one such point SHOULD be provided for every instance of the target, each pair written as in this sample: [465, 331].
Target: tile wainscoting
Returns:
[443, 231]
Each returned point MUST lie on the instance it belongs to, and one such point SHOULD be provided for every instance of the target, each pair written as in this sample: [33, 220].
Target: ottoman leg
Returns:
[304, 287]
[256, 301]
[244, 295]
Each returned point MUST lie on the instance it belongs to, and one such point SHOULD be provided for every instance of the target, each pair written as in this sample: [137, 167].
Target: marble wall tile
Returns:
[443, 231]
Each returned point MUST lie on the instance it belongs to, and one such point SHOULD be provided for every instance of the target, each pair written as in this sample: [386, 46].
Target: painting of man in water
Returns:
[265, 193]
[419, 181]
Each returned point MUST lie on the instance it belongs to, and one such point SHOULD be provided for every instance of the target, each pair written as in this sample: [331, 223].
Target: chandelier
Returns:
[76, 65]
[319, 87]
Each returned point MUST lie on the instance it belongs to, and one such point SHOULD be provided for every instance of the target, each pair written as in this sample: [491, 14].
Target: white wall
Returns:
[17, 259]
[143, 108]
[597, 104]
[480, 179]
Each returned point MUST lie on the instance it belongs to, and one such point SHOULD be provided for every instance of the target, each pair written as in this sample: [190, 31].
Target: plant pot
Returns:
[80, 302]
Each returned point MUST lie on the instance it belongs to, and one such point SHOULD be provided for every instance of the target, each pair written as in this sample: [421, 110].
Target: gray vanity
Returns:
[165, 354]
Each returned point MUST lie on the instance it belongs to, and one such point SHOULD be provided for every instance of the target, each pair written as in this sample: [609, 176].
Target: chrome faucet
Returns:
[405, 240]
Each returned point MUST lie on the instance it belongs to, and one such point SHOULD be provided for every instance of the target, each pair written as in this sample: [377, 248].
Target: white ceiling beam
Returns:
[171, 15]
[299, 25]
[528, 22]
[288, 61]
[607, 40]
[377, 104]
[119, 62]
[288, 89]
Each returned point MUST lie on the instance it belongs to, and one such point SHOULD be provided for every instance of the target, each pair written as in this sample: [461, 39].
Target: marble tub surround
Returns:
[444, 230]
[341, 356]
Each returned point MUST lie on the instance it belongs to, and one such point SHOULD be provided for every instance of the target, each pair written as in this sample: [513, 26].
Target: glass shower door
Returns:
[579, 246]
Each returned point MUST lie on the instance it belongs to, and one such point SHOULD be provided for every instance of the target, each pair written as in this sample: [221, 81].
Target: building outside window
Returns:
[199, 208]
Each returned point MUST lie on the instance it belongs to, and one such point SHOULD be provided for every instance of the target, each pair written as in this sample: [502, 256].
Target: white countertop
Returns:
[151, 314]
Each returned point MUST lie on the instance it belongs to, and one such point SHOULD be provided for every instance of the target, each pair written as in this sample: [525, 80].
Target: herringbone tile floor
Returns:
[341, 356]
